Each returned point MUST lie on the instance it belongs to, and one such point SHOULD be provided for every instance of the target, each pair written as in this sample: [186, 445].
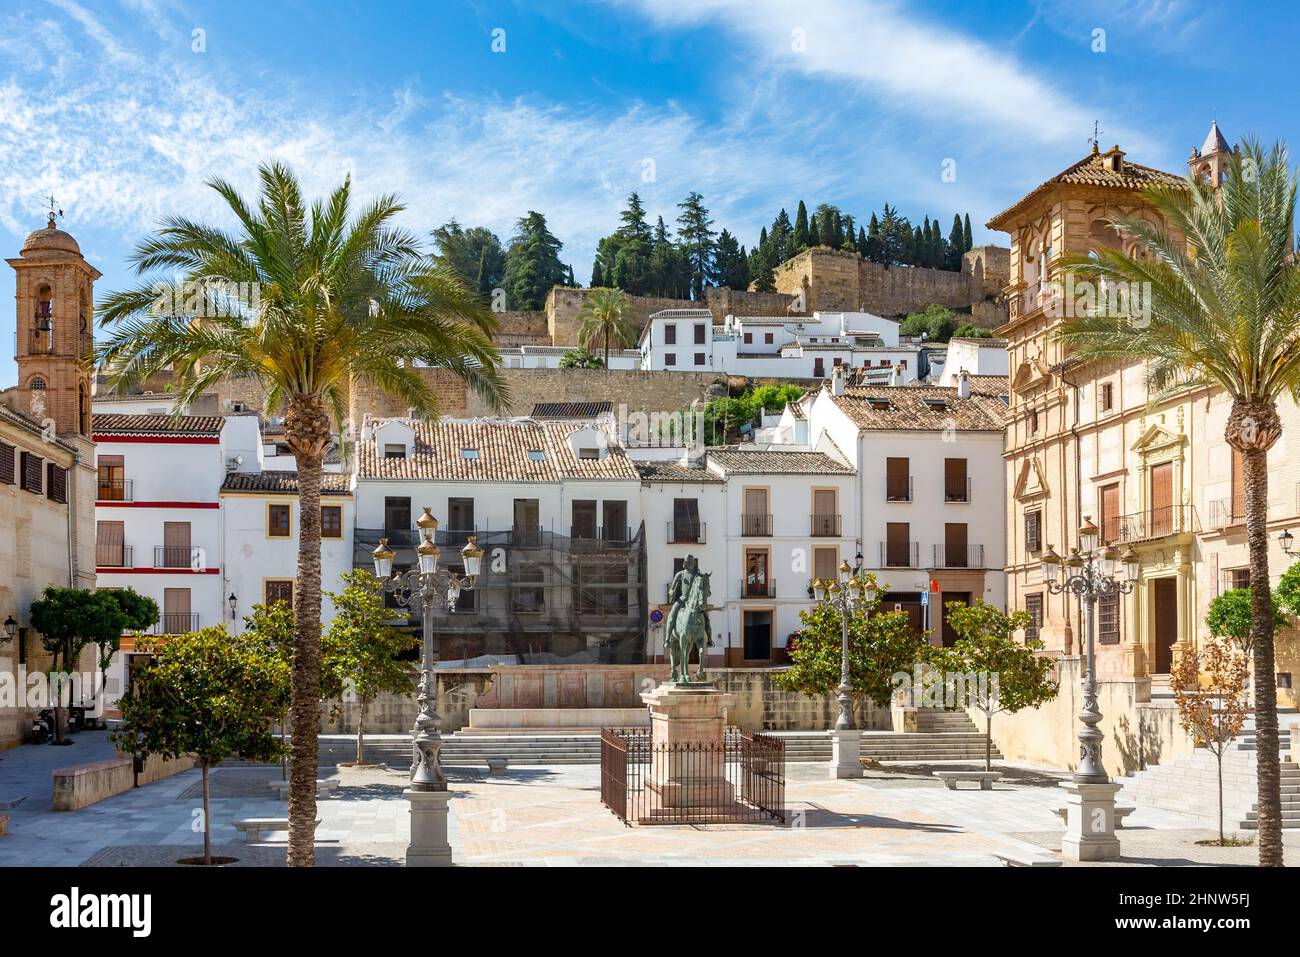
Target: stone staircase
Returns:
[943, 736]
[1190, 784]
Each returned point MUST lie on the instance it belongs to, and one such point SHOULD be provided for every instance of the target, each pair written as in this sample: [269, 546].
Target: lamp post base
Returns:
[429, 846]
[1090, 822]
[846, 754]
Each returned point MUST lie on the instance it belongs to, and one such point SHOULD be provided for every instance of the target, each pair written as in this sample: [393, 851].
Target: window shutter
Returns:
[1033, 531]
[6, 464]
[57, 483]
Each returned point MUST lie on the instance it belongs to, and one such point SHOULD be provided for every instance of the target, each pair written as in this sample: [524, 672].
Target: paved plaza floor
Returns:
[552, 816]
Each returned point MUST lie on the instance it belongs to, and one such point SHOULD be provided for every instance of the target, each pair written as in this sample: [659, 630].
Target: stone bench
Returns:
[497, 763]
[254, 826]
[1063, 812]
[84, 784]
[325, 788]
[985, 778]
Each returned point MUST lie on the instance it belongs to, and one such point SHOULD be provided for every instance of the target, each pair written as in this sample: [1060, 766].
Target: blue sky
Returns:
[755, 103]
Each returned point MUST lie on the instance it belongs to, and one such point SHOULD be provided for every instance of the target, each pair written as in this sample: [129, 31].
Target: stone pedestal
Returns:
[429, 846]
[1090, 822]
[688, 759]
[846, 754]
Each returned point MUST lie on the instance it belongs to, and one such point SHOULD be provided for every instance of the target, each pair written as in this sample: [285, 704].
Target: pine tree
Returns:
[532, 264]
[781, 238]
[474, 254]
[696, 241]
[732, 268]
[597, 280]
[799, 238]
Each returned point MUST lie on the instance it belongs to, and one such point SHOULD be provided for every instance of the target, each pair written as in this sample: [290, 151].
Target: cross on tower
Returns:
[1095, 139]
[54, 209]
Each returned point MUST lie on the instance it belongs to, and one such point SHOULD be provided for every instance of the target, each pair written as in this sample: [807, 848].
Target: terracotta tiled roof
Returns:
[24, 421]
[738, 461]
[1092, 171]
[503, 447]
[672, 472]
[120, 423]
[994, 385]
[332, 483]
[920, 409]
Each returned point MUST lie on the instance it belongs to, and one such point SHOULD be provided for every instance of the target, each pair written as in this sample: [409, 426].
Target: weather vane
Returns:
[54, 209]
[1095, 140]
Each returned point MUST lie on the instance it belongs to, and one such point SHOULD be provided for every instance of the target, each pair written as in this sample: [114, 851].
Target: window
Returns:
[1108, 619]
[176, 551]
[331, 521]
[898, 547]
[670, 358]
[469, 455]
[588, 454]
[1033, 423]
[699, 358]
[699, 333]
[6, 464]
[1033, 531]
[31, 474]
[749, 338]
[686, 520]
[1238, 577]
[112, 478]
[1107, 396]
[768, 338]
[278, 521]
[110, 548]
[613, 520]
[536, 455]
[956, 484]
[956, 554]
[57, 484]
[1110, 508]
[394, 450]
[755, 519]
[898, 480]
[670, 334]
[1034, 605]
[826, 563]
[273, 591]
[38, 384]
[584, 518]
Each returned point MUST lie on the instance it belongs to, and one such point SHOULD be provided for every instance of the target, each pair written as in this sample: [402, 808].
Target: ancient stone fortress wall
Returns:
[833, 280]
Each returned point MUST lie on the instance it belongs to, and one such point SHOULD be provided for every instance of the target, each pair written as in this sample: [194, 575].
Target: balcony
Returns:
[900, 554]
[177, 556]
[176, 623]
[959, 556]
[116, 490]
[523, 536]
[1151, 524]
[755, 525]
[956, 493]
[1228, 512]
[825, 526]
[899, 491]
[114, 556]
[687, 533]
[755, 586]
[610, 536]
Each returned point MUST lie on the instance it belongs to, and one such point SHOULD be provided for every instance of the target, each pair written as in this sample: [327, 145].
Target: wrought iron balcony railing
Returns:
[686, 533]
[900, 554]
[825, 526]
[960, 556]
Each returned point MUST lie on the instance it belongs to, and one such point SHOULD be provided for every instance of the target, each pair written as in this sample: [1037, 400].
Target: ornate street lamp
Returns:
[423, 590]
[848, 595]
[11, 629]
[1090, 573]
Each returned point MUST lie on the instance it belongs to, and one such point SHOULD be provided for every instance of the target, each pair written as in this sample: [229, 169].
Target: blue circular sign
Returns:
[656, 616]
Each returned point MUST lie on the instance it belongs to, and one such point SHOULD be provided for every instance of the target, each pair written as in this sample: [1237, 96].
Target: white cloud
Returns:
[892, 54]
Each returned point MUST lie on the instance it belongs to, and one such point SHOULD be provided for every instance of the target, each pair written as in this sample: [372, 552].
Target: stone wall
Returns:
[760, 704]
[564, 303]
[1138, 733]
[522, 329]
[834, 281]
[640, 391]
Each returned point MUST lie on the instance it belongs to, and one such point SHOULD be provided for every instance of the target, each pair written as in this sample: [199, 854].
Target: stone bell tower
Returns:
[55, 298]
[1210, 163]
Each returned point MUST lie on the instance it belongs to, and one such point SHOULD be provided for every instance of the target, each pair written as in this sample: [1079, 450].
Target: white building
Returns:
[556, 507]
[685, 340]
[975, 357]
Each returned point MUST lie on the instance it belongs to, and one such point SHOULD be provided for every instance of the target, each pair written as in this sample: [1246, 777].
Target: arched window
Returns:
[37, 384]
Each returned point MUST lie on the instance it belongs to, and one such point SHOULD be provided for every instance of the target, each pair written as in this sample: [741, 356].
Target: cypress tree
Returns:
[814, 237]
[597, 280]
[967, 245]
[799, 238]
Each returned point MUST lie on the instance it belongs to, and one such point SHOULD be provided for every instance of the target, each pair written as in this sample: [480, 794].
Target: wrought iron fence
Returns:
[741, 780]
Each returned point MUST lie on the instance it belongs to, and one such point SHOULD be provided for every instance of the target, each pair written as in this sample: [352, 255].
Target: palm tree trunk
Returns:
[307, 432]
[1268, 772]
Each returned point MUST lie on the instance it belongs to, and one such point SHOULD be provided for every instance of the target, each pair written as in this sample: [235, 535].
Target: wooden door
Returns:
[955, 483]
[826, 519]
[1110, 517]
[1164, 593]
[176, 545]
[1162, 499]
[955, 552]
[756, 520]
[176, 611]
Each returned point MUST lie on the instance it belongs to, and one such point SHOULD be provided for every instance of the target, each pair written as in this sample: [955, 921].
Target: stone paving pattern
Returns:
[552, 816]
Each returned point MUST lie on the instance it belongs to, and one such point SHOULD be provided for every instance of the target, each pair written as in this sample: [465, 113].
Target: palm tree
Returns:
[330, 297]
[1224, 296]
[606, 320]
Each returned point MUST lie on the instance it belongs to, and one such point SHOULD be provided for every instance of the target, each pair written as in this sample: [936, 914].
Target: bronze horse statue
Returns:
[687, 629]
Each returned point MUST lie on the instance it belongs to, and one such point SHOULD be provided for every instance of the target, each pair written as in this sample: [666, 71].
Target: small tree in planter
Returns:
[881, 645]
[209, 694]
[367, 646]
[1008, 675]
[1209, 685]
[68, 619]
[1229, 617]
